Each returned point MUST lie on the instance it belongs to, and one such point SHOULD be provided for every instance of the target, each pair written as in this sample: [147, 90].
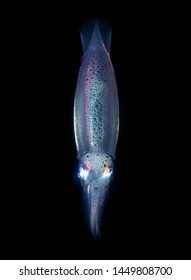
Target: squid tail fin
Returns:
[99, 27]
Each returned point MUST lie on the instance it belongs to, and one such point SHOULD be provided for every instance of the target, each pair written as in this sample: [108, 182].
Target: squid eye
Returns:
[84, 171]
[107, 171]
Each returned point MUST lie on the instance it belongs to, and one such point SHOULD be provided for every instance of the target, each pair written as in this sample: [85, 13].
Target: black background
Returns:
[42, 206]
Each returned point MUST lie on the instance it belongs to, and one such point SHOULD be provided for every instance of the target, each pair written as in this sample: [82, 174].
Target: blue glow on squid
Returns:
[96, 118]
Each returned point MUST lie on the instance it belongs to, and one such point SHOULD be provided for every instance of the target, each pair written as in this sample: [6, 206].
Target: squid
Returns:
[96, 119]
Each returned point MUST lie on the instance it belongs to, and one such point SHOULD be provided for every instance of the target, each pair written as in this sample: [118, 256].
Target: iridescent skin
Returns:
[96, 123]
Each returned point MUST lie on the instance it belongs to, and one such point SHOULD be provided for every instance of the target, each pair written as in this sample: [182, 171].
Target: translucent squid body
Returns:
[96, 118]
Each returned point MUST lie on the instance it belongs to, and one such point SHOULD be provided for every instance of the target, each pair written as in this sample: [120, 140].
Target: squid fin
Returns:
[87, 29]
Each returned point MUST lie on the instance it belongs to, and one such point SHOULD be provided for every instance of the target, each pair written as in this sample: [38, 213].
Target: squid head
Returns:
[95, 172]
